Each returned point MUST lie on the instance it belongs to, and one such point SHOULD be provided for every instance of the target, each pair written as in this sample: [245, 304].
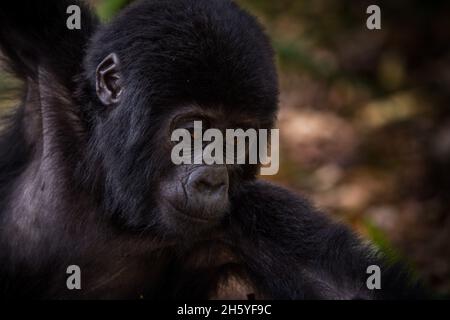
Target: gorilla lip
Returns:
[192, 218]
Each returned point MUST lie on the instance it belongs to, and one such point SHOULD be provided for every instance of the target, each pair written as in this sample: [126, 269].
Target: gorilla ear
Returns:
[108, 84]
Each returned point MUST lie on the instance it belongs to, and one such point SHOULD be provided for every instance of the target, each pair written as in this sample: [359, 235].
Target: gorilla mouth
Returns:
[192, 218]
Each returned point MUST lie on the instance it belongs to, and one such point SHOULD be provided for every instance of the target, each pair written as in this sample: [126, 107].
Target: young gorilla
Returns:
[86, 177]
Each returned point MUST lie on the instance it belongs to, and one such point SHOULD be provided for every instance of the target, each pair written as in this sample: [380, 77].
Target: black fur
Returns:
[79, 181]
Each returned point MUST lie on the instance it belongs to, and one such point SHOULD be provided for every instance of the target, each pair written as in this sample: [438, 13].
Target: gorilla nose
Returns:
[207, 192]
[209, 180]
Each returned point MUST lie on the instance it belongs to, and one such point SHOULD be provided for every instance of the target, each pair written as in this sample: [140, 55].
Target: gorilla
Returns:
[86, 177]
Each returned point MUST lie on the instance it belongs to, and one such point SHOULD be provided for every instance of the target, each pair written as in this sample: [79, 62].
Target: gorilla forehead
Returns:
[204, 51]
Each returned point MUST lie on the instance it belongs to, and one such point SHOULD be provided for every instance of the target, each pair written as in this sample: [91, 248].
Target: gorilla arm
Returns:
[292, 251]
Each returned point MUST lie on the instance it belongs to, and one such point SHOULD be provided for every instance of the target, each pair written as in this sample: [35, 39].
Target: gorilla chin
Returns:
[195, 199]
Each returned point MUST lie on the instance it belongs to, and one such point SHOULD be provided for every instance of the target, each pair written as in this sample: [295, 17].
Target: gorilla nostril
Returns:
[209, 179]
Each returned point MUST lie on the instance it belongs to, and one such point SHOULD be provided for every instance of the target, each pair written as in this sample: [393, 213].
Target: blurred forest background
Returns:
[364, 118]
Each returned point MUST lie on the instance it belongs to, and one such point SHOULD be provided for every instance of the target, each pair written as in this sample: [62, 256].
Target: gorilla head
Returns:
[156, 68]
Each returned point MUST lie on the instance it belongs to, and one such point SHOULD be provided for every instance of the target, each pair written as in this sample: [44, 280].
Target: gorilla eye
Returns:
[190, 127]
[189, 123]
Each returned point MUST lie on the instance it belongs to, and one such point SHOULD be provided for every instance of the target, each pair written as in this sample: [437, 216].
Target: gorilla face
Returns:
[195, 196]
